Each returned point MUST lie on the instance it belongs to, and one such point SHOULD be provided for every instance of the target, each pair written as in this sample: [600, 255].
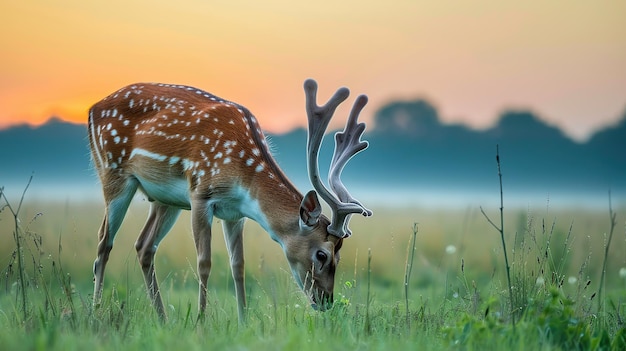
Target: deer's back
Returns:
[175, 139]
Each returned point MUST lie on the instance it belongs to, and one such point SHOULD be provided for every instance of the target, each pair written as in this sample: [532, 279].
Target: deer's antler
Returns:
[347, 144]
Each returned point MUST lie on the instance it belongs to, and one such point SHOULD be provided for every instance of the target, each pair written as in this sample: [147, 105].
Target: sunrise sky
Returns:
[564, 60]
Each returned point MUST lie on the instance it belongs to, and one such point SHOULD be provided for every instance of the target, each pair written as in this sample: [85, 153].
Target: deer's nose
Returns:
[325, 303]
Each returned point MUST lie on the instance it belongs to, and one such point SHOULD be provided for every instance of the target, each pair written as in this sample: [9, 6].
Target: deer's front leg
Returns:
[233, 233]
[104, 248]
[201, 219]
[115, 210]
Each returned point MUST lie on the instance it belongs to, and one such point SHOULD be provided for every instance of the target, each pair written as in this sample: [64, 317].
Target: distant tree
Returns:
[408, 117]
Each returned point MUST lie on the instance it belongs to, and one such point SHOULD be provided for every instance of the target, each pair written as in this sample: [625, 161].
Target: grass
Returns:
[444, 287]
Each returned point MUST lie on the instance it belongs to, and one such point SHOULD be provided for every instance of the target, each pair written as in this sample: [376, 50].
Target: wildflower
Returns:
[540, 281]
[572, 280]
[450, 249]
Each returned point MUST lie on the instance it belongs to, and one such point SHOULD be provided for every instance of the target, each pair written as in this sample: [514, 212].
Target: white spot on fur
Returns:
[146, 153]
[187, 164]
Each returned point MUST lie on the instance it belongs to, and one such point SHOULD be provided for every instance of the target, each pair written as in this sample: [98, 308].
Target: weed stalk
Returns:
[368, 326]
[407, 273]
[18, 242]
[501, 231]
[606, 254]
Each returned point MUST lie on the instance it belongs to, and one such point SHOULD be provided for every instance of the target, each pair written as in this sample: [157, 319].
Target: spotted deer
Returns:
[187, 149]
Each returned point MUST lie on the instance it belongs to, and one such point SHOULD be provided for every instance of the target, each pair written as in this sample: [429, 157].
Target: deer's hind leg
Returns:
[160, 221]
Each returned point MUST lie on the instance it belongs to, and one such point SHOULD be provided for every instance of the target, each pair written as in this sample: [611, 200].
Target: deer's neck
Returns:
[270, 202]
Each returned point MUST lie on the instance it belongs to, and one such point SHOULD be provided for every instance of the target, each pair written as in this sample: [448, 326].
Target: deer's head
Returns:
[313, 255]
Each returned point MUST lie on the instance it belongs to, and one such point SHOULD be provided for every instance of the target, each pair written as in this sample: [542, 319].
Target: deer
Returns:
[186, 149]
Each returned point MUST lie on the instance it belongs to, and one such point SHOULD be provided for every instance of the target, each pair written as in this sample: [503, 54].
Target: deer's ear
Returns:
[310, 210]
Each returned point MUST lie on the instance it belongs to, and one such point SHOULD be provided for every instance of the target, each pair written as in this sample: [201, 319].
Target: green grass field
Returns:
[457, 296]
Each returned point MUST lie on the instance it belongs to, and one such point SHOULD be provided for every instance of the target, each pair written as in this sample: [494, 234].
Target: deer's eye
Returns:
[321, 256]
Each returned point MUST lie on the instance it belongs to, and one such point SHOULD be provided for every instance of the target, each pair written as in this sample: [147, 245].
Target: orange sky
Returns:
[565, 60]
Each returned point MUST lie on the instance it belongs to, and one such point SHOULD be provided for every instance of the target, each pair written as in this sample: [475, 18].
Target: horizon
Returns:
[371, 126]
[472, 61]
